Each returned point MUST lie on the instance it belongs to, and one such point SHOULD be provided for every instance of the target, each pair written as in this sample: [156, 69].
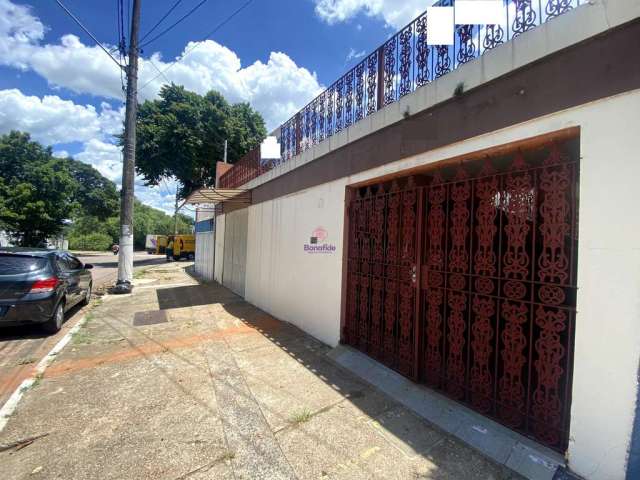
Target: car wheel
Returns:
[87, 296]
[55, 323]
[191, 256]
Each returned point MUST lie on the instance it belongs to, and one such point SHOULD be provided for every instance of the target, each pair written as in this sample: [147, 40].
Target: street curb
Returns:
[10, 406]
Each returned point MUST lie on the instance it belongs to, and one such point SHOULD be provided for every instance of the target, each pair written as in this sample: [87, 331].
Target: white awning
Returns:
[219, 195]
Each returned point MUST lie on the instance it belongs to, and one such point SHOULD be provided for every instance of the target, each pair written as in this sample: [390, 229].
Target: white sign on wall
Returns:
[441, 21]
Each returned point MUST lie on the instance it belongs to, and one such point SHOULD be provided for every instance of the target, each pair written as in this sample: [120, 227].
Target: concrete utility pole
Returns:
[125, 256]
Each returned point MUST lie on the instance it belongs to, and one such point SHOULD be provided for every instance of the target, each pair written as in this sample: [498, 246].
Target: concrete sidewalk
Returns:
[181, 380]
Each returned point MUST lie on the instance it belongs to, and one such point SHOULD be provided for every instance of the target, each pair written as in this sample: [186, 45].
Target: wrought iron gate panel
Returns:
[498, 289]
[492, 324]
[381, 296]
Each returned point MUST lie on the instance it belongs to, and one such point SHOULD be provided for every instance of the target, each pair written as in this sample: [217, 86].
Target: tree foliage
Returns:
[95, 195]
[182, 135]
[35, 191]
[42, 196]
[95, 241]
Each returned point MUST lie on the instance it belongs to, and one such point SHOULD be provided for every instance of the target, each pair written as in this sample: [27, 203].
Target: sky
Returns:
[56, 84]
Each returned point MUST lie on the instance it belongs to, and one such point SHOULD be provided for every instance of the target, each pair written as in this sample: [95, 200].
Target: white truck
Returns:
[151, 244]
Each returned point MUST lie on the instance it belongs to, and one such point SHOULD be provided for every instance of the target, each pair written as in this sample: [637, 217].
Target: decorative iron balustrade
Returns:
[402, 64]
[244, 170]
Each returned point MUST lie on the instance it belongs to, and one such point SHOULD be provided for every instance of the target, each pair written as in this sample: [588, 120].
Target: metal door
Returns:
[495, 245]
[382, 269]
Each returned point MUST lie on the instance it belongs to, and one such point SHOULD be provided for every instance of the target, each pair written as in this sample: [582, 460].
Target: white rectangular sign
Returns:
[440, 25]
[270, 149]
[480, 12]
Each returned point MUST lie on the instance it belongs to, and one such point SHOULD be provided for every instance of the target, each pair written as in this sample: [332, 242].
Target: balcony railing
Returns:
[244, 170]
[402, 64]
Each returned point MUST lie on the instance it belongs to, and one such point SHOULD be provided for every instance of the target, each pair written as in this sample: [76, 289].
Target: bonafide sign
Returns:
[318, 242]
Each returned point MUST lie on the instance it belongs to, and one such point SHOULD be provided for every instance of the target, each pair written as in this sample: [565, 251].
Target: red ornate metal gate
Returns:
[381, 273]
[495, 243]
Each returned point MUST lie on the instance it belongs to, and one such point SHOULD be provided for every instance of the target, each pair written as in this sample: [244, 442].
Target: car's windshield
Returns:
[15, 264]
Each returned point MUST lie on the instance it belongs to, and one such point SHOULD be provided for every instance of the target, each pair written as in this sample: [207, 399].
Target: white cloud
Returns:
[277, 88]
[355, 55]
[61, 154]
[52, 120]
[103, 156]
[395, 13]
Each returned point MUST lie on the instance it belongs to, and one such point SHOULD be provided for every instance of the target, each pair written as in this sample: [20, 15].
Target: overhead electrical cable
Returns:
[177, 22]
[197, 44]
[75, 19]
[161, 20]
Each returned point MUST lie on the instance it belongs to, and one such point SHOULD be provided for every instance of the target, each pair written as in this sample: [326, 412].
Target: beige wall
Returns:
[205, 246]
[304, 289]
[235, 251]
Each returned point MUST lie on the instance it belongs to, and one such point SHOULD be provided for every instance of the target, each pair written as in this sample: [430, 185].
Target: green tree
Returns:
[95, 195]
[35, 191]
[182, 135]
[148, 220]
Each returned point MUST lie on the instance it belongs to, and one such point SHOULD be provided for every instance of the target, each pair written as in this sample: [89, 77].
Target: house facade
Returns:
[465, 215]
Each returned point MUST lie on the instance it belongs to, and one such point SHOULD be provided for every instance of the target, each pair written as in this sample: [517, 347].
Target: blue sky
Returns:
[276, 54]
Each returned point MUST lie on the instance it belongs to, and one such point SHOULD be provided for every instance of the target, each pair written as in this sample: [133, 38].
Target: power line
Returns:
[161, 20]
[118, 23]
[75, 19]
[196, 45]
[158, 70]
[184, 17]
[128, 13]
[121, 48]
[122, 41]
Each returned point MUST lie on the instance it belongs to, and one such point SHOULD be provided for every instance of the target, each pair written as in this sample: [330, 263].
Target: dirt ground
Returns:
[186, 381]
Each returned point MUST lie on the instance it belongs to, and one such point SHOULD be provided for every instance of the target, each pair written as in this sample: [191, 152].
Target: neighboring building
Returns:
[469, 221]
[205, 231]
[5, 240]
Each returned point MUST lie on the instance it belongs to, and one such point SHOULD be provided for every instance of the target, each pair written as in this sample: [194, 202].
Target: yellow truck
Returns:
[181, 246]
[156, 244]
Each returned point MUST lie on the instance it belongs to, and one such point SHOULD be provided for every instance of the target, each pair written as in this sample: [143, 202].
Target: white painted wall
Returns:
[205, 246]
[218, 264]
[205, 251]
[235, 251]
[282, 278]
[305, 289]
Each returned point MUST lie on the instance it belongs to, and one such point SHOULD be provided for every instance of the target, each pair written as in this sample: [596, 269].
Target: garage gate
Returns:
[464, 278]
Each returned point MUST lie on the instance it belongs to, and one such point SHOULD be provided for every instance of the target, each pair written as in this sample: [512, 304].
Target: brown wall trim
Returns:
[594, 69]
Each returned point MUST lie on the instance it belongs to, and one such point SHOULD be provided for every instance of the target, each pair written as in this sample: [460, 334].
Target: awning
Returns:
[219, 195]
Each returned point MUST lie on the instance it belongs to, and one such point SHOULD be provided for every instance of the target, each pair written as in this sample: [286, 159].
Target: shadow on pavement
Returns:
[419, 435]
[194, 295]
[33, 331]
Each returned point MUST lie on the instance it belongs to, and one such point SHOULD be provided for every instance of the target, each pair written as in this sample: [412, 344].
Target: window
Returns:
[73, 263]
[16, 264]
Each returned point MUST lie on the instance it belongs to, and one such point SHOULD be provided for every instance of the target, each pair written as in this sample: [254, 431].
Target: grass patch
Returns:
[27, 361]
[81, 337]
[227, 456]
[301, 417]
[140, 273]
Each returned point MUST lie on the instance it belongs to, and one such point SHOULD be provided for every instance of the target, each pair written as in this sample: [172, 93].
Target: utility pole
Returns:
[175, 216]
[225, 151]
[125, 256]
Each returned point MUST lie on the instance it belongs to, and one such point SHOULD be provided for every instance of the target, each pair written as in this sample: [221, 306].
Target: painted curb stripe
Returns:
[10, 406]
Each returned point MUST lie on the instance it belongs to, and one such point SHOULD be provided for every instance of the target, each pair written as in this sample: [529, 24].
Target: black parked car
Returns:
[39, 286]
